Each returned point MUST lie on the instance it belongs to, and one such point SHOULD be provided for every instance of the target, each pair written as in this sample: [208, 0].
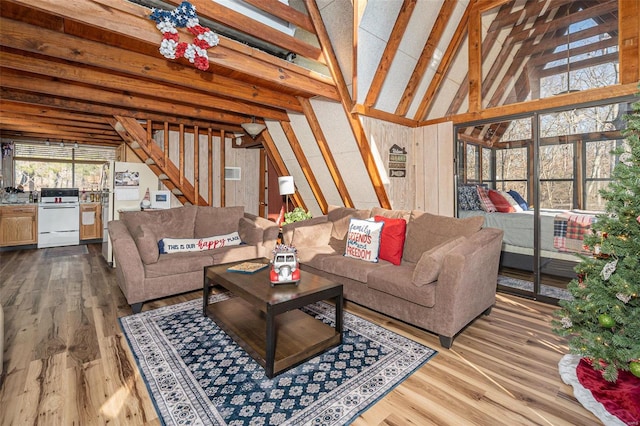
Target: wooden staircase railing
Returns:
[142, 143]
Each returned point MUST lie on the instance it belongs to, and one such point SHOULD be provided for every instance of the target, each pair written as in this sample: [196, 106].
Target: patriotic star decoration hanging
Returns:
[184, 16]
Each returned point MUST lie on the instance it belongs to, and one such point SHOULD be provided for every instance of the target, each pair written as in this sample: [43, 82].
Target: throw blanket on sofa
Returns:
[569, 229]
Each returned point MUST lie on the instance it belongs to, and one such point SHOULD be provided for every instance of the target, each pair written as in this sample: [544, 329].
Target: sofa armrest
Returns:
[129, 267]
[468, 279]
[269, 234]
[289, 228]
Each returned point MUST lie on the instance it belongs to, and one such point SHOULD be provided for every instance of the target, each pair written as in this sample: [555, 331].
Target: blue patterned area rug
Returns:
[197, 375]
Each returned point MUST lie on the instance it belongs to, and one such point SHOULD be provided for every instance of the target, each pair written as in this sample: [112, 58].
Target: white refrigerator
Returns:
[124, 187]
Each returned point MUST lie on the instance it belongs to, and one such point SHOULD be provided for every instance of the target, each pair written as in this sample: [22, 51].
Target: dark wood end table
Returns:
[266, 321]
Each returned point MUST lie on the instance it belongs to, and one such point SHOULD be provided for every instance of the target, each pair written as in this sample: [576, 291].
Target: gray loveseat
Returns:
[447, 275]
[143, 273]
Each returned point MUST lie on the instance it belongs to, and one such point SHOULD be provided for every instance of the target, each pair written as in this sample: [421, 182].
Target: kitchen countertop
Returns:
[17, 203]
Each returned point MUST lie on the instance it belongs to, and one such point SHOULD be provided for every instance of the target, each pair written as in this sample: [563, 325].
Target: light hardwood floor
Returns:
[66, 361]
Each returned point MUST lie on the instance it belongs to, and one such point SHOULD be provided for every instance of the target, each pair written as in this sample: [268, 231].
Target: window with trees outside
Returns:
[39, 166]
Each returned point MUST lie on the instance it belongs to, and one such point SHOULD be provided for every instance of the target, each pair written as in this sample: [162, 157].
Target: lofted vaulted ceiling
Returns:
[69, 69]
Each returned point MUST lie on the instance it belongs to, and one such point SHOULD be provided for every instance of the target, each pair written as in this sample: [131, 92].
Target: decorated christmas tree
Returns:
[603, 319]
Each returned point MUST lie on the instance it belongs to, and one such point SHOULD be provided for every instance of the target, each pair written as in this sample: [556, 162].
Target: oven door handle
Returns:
[57, 207]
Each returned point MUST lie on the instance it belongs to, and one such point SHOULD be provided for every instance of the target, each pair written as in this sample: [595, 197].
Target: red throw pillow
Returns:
[501, 203]
[392, 238]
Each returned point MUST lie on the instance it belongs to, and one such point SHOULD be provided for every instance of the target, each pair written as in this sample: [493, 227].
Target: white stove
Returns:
[58, 217]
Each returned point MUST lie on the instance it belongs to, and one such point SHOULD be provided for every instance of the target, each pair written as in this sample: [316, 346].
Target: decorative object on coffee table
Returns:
[284, 266]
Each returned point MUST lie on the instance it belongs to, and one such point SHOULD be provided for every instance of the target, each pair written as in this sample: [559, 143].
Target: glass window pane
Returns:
[556, 195]
[600, 161]
[594, 200]
[486, 164]
[555, 47]
[35, 175]
[472, 163]
[556, 161]
[511, 163]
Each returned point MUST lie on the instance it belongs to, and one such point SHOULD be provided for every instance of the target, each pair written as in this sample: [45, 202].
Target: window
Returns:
[511, 170]
[40, 166]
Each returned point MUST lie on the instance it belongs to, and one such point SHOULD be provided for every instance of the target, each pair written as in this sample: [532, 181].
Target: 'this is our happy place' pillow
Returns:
[363, 240]
[177, 245]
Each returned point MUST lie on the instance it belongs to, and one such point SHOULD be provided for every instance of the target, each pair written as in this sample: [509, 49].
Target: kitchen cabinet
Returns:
[90, 221]
[18, 225]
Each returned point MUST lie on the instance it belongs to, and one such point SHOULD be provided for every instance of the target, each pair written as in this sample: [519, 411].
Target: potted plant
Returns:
[296, 215]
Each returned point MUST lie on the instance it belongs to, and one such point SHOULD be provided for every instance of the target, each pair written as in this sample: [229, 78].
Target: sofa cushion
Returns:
[393, 214]
[314, 256]
[249, 232]
[313, 235]
[179, 245]
[147, 244]
[217, 220]
[425, 231]
[396, 280]
[392, 238]
[428, 267]
[340, 217]
[176, 222]
[173, 264]
[349, 267]
[237, 253]
[363, 240]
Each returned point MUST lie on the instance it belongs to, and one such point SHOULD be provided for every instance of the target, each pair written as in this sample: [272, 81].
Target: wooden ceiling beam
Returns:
[356, 127]
[444, 15]
[237, 21]
[284, 12]
[52, 101]
[43, 139]
[30, 118]
[19, 35]
[51, 113]
[390, 50]
[105, 16]
[307, 171]
[325, 151]
[16, 80]
[55, 131]
[62, 123]
[443, 67]
[110, 81]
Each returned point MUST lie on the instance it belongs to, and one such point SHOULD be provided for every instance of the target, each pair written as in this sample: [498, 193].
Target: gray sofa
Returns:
[447, 275]
[143, 273]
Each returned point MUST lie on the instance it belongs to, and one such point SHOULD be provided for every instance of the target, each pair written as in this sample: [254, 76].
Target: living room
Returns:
[377, 125]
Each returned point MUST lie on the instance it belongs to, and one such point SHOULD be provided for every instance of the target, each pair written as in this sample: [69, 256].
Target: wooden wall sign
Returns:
[397, 161]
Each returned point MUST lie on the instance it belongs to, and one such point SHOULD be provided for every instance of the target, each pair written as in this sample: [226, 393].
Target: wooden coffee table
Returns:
[266, 321]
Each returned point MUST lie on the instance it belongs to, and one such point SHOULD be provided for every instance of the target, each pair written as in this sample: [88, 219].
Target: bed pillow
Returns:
[363, 240]
[468, 198]
[521, 201]
[501, 204]
[511, 201]
[485, 201]
[392, 238]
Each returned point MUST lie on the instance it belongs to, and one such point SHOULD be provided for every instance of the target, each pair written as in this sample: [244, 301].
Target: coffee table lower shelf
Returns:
[298, 336]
